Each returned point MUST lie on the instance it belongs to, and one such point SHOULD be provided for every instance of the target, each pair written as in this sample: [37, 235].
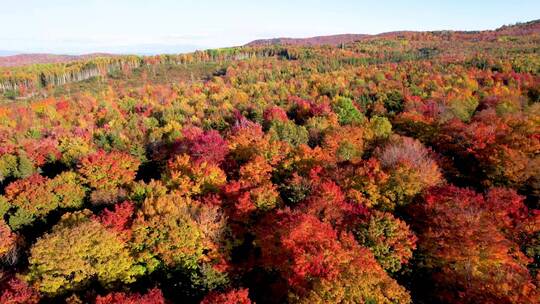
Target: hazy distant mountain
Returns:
[27, 59]
[9, 59]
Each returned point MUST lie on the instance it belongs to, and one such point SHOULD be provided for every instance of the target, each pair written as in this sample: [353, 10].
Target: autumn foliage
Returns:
[103, 170]
[153, 296]
[16, 291]
[466, 249]
[230, 297]
[399, 168]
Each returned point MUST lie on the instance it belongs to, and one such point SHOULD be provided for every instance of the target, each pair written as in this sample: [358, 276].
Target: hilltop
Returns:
[518, 29]
[521, 28]
[314, 41]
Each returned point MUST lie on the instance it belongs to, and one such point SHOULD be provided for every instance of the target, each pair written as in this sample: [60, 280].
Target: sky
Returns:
[169, 26]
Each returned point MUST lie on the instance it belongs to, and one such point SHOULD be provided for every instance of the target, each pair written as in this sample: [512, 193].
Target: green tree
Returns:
[289, 132]
[347, 112]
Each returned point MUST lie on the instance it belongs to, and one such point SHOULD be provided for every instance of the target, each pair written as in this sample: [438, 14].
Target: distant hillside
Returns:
[525, 28]
[319, 40]
[518, 29]
[28, 59]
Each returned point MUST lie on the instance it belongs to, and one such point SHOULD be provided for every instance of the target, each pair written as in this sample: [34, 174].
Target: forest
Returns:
[398, 168]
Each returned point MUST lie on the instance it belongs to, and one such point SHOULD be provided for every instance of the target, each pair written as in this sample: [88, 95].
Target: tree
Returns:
[25, 167]
[253, 192]
[327, 202]
[233, 296]
[77, 251]
[467, 256]
[248, 140]
[73, 149]
[393, 101]
[344, 144]
[363, 281]
[119, 219]
[35, 197]
[301, 109]
[380, 126]
[388, 238]
[68, 190]
[289, 132]
[164, 229]
[347, 112]
[517, 222]
[321, 266]
[107, 174]
[8, 166]
[274, 113]
[411, 169]
[178, 232]
[463, 108]
[202, 146]
[508, 210]
[255, 177]
[16, 291]
[364, 184]
[494, 150]
[317, 127]
[106, 171]
[31, 198]
[193, 178]
[153, 296]
[9, 243]
[183, 236]
[301, 248]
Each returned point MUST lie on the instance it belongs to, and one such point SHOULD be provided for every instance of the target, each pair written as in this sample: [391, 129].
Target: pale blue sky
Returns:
[81, 26]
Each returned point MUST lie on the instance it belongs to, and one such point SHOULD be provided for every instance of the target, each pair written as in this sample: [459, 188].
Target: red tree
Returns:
[202, 146]
[234, 296]
[119, 219]
[469, 258]
[154, 296]
[105, 171]
[16, 291]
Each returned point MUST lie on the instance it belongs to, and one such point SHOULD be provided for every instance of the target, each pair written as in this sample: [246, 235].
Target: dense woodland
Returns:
[402, 168]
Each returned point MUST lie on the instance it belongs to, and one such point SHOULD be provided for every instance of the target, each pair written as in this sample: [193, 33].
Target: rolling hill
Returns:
[518, 29]
[28, 59]
[314, 41]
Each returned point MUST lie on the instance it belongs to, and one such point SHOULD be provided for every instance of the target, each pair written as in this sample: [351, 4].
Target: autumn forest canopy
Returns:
[394, 168]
